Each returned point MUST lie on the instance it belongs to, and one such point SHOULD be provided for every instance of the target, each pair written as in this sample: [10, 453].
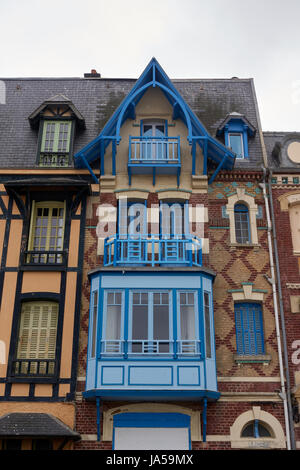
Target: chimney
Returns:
[92, 74]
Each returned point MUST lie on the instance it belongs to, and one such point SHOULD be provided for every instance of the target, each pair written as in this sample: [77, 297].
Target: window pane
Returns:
[207, 325]
[187, 318]
[95, 309]
[47, 231]
[236, 144]
[255, 429]
[139, 320]
[242, 229]
[161, 320]
[113, 322]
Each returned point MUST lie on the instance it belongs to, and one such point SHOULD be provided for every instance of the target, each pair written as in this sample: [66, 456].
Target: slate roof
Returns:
[276, 146]
[96, 99]
[34, 424]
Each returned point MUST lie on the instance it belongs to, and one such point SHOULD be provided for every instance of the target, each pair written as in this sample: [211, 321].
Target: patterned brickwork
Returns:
[233, 266]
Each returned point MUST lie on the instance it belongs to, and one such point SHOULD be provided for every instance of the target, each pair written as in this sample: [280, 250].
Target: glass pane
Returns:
[242, 227]
[113, 322]
[207, 325]
[161, 326]
[140, 322]
[235, 142]
[147, 130]
[263, 431]
[95, 307]
[159, 130]
[187, 322]
[248, 431]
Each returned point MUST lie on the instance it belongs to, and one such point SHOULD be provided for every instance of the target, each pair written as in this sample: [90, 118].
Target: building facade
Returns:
[179, 340]
[142, 308]
[283, 180]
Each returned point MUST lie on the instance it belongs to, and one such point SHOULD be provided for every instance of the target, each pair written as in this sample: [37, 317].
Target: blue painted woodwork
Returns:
[237, 126]
[154, 76]
[249, 329]
[154, 333]
[152, 250]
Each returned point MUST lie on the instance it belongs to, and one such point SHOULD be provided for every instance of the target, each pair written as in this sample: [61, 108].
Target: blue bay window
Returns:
[152, 334]
[249, 329]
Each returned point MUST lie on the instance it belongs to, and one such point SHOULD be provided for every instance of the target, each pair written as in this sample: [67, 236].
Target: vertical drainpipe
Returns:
[283, 394]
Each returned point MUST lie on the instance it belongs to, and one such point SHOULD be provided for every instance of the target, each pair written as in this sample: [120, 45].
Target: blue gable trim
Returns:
[154, 76]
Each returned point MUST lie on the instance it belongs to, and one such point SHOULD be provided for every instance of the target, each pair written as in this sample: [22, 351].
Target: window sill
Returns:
[259, 359]
[255, 246]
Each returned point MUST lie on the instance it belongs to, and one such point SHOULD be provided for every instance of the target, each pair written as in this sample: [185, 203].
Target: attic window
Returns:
[235, 142]
[236, 130]
[55, 143]
[57, 118]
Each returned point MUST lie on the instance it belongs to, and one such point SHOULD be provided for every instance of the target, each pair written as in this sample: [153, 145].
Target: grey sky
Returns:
[190, 39]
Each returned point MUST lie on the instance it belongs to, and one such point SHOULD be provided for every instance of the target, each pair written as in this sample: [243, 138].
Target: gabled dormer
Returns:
[56, 120]
[236, 130]
[158, 131]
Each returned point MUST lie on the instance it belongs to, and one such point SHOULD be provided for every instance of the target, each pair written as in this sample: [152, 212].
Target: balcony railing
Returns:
[143, 347]
[43, 258]
[154, 150]
[152, 250]
[34, 367]
[52, 159]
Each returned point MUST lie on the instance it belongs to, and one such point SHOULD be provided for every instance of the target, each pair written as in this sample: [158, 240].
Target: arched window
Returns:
[242, 226]
[255, 429]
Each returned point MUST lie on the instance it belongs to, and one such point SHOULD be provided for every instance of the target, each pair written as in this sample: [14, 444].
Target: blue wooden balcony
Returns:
[156, 155]
[152, 250]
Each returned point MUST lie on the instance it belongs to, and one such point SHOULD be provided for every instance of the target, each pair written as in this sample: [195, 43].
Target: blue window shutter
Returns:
[249, 329]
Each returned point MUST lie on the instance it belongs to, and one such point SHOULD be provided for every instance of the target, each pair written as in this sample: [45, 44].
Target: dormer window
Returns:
[56, 118]
[55, 145]
[236, 130]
